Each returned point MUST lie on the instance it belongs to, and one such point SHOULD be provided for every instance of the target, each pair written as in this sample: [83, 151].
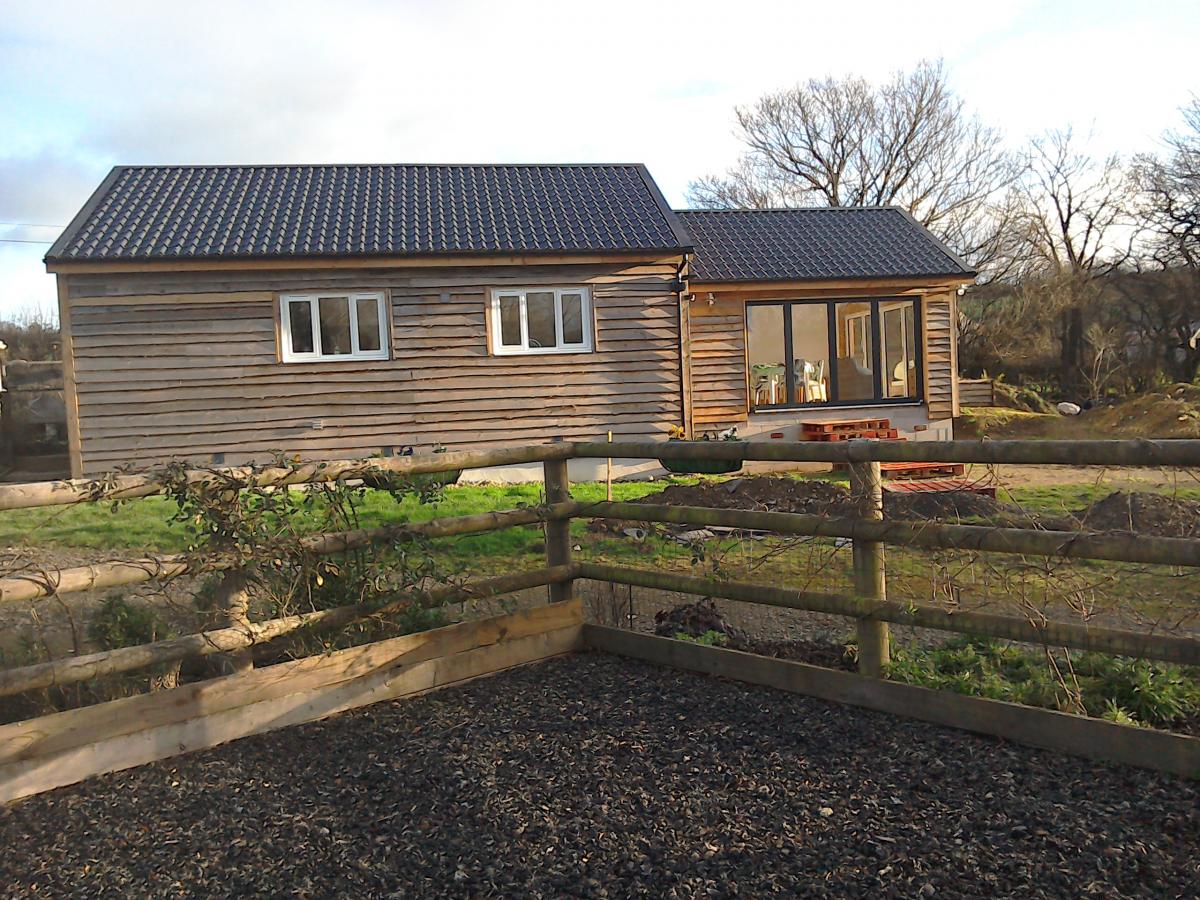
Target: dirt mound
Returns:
[764, 493]
[1142, 513]
[1171, 413]
[703, 620]
[945, 505]
[775, 494]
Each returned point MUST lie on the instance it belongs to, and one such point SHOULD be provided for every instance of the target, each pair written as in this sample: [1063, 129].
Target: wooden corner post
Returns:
[866, 487]
[558, 531]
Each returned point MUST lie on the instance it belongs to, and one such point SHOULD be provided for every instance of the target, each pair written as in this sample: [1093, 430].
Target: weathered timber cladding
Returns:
[184, 365]
[941, 357]
[718, 364]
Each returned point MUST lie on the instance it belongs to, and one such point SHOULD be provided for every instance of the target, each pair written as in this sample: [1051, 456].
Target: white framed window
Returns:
[541, 320]
[333, 325]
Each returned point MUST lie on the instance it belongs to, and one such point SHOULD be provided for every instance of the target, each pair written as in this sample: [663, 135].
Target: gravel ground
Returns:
[596, 776]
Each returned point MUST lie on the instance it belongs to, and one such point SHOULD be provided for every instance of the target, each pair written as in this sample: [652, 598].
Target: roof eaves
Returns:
[85, 213]
[882, 276]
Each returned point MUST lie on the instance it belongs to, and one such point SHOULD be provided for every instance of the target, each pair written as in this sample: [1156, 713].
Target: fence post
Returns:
[866, 487]
[233, 600]
[558, 532]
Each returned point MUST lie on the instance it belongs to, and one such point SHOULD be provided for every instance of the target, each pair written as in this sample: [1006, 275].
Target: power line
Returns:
[19, 241]
[32, 225]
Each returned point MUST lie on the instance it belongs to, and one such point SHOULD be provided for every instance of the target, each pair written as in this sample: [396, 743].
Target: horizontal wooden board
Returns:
[67, 747]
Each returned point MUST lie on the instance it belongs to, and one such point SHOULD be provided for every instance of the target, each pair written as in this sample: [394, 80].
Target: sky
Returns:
[85, 86]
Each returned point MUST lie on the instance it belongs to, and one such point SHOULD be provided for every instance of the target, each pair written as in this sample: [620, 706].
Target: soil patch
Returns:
[1142, 513]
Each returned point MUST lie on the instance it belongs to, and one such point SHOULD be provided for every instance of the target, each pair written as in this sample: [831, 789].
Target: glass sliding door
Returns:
[856, 362]
[804, 353]
[767, 354]
[809, 375]
[899, 351]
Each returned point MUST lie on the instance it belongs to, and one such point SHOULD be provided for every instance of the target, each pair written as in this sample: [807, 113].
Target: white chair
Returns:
[809, 380]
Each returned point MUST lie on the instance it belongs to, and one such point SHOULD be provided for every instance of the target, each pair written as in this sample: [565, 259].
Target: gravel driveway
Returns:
[597, 776]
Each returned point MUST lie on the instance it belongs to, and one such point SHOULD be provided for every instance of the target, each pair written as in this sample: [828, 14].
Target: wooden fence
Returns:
[976, 392]
[64, 747]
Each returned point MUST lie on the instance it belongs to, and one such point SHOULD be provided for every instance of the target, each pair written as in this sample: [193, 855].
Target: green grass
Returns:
[145, 525]
[1128, 691]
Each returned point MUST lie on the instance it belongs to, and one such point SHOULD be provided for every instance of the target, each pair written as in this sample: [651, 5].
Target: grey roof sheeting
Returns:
[817, 243]
[190, 212]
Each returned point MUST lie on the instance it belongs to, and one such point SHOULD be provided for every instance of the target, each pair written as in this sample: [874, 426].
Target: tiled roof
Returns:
[808, 244]
[186, 212]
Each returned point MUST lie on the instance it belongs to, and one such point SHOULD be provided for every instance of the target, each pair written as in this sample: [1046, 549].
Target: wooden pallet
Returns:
[883, 434]
[836, 426]
[939, 486]
[921, 469]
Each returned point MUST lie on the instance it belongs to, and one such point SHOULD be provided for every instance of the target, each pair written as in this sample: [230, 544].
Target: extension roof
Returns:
[260, 212]
[815, 244]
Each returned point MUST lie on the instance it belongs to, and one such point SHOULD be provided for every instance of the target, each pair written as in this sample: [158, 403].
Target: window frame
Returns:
[288, 355]
[499, 348]
[874, 324]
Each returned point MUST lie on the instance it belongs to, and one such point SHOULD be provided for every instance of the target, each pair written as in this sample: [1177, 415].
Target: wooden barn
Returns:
[225, 314]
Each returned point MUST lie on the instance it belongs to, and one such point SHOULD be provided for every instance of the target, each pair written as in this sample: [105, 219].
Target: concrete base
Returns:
[911, 420]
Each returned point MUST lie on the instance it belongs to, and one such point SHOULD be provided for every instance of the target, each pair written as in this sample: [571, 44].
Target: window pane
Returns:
[768, 373]
[856, 352]
[810, 352]
[572, 314]
[300, 324]
[510, 321]
[539, 308]
[899, 355]
[368, 323]
[335, 325]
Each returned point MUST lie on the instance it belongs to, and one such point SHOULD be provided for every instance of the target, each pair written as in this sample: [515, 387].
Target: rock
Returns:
[698, 534]
[826, 812]
[638, 534]
[1067, 408]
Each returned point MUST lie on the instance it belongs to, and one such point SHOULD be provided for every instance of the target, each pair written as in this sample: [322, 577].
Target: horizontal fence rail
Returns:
[1066, 453]
[127, 487]
[74, 669]
[1056, 634]
[1079, 545]
[32, 586]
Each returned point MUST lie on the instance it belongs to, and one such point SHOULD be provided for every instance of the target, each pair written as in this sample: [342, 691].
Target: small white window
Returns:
[333, 326]
[541, 320]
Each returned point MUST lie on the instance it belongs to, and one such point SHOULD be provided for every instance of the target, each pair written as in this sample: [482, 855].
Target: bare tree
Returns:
[1077, 214]
[1170, 194]
[1078, 225]
[908, 143]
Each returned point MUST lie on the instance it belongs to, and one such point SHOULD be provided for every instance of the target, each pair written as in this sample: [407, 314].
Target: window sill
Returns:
[550, 351]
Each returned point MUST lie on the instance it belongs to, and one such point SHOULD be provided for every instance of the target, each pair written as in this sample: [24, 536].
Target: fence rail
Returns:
[867, 604]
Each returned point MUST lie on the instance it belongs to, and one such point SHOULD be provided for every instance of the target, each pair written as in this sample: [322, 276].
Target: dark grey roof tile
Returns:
[812, 244]
[182, 212]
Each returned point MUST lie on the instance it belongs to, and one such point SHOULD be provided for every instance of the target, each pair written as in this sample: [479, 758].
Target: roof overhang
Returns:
[820, 287]
[451, 260]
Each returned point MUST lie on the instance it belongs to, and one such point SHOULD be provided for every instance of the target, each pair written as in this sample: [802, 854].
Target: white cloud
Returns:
[87, 85]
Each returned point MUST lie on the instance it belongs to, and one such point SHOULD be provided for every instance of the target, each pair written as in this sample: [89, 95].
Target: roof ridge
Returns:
[387, 165]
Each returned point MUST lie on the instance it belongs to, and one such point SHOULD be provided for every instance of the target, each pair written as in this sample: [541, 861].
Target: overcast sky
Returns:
[85, 86]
